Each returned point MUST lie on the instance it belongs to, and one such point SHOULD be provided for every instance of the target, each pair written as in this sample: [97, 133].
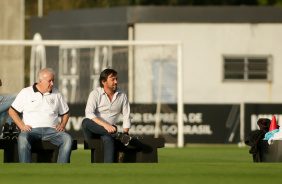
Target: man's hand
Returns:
[109, 128]
[60, 128]
[14, 115]
[126, 131]
[25, 128]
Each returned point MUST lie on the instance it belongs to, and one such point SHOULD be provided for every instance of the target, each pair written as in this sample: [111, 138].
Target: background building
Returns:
[230, 54]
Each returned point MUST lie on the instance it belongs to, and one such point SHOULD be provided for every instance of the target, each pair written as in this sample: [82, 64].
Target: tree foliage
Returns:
[50, 5]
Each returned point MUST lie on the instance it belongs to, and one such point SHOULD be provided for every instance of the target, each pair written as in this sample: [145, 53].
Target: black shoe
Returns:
[15, 131]
[124, 138]
[6, 131]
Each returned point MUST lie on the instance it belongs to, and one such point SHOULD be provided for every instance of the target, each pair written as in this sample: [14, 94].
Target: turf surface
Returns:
[193, 164]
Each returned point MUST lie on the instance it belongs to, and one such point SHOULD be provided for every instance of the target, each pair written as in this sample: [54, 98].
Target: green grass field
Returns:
[193, 164]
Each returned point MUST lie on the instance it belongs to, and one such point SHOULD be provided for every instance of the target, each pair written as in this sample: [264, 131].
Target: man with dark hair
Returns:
[41, 104]
[102, 111]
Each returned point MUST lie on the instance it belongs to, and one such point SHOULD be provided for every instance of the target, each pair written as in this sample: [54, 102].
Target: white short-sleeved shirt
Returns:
[40, 110]
[99, 105]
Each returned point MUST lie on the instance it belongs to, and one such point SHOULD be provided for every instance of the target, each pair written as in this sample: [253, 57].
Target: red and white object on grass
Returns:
[273, 124]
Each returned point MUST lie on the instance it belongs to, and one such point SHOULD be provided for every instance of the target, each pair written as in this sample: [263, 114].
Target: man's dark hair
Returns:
[105, 74]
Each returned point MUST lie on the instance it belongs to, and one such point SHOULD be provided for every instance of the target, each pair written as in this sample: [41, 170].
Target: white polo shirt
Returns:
[40, 110]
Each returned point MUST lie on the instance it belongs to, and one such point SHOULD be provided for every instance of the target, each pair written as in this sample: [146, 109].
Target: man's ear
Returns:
[103, 82]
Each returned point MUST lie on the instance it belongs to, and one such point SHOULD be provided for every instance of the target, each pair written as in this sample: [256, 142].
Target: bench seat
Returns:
[41, 152]
[138, 151]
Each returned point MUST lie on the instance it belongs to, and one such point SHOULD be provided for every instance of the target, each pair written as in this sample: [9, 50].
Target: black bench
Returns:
[270, 153]
[138, 151]
[41, 152]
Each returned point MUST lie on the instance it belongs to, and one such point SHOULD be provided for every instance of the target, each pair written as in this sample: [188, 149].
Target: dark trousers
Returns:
[92, 130]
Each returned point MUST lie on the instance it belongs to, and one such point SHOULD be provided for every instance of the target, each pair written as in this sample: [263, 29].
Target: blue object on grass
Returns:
[270, 134]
